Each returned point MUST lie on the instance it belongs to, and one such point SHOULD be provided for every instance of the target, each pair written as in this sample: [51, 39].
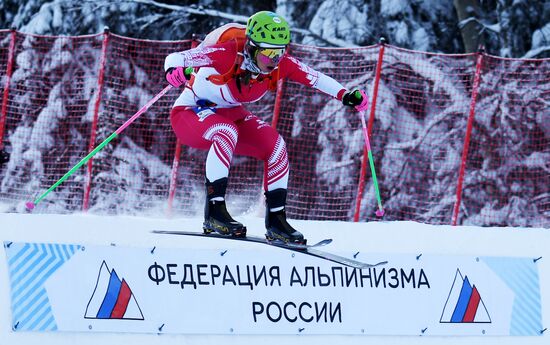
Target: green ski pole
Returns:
[31, 204]
[380, 212]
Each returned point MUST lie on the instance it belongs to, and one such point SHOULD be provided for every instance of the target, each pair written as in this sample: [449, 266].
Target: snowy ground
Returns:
[381, 237]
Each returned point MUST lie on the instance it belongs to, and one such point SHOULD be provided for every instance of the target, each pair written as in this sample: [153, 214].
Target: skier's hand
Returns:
[357, 99]
[178, 76]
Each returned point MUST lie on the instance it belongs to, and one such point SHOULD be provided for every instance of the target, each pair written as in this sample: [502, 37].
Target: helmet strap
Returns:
[249, 65]
[249, 62]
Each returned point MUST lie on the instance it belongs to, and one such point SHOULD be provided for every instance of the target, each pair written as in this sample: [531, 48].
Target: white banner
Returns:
[58, 287]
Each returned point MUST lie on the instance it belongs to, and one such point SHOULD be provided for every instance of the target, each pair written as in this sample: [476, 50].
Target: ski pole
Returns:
[380, 211]
[31, 204]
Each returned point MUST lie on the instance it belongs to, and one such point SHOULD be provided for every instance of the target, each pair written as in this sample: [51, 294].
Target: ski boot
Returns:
[216, 217]
[277, 228]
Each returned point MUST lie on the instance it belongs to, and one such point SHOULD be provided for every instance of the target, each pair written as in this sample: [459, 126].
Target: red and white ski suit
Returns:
[211, 117]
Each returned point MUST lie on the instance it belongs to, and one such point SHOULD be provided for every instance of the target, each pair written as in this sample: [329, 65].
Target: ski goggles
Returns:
[270, 56]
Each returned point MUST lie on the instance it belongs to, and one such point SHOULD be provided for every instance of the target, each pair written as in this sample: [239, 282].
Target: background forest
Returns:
[507, 28]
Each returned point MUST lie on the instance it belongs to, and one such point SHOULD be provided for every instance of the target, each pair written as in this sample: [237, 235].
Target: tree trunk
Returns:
[470, 30]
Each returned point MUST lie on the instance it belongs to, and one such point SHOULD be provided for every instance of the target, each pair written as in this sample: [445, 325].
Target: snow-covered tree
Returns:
[511, 28]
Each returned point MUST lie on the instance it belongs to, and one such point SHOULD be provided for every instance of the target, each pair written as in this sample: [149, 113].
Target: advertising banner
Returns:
[64, 287]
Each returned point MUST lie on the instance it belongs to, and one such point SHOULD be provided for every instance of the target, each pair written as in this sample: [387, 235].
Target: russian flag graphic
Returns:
[112, 298]
[464, 304]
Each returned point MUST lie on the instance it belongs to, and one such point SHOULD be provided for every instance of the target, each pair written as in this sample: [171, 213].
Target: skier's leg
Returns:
[260, 140]
[205, 129]
[216, 217]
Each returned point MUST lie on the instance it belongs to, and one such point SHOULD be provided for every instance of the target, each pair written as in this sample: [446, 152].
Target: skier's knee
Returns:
[224, 132]
[278, 152]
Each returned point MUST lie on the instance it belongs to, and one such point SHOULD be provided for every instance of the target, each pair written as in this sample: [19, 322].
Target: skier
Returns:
[209, 114]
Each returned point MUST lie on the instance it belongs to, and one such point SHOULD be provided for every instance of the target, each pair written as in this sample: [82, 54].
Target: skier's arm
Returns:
[299, 72]
[303, 74]
[176, 65]
[195, 57]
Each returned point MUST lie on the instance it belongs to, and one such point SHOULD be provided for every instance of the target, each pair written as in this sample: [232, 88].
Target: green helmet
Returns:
[266, 28]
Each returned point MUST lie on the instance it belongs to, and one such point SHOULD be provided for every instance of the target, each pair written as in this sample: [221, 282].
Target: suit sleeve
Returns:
[297, 71]
[201, 56]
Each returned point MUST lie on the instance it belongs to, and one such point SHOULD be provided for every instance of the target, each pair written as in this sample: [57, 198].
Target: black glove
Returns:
[352, 98]
[4, 157]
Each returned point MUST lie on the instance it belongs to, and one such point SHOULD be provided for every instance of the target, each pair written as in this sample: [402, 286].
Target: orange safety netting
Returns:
[456, 139]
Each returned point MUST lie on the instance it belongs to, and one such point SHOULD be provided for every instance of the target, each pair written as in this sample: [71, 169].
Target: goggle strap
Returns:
[266, 45]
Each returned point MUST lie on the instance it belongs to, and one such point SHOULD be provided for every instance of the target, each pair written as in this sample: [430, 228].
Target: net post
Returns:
[5, 96]
[93, 131]
[477, 78]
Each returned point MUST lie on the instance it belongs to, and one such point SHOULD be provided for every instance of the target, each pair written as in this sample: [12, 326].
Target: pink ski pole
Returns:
[380, 212]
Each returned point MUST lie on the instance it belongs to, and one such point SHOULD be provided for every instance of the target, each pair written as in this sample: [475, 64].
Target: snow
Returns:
[393, 7]
[353, 26]
[374, 237]
[541, 37]
[421, 39]
[41, 24]
[505, 25]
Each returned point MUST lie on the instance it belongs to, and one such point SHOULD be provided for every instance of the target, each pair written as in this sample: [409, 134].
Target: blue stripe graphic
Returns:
[39, 286]
[32, 315]
[67, 250]
[49, 325]
[463, 300]
[25, 291]
[522, 277]
[24, 269]
[110, 297]
[30, 266]
[16, 257]
[59, 253]
[46, 310]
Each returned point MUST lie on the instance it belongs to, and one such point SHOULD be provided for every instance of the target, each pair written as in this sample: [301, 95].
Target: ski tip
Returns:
[30, 205]
[379, 264]
[364, 266]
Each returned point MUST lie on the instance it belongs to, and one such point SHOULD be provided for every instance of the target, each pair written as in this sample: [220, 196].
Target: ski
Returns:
[310, 249]
[248, 238]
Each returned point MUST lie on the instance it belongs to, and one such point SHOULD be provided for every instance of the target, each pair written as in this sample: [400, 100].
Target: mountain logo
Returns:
[464, 304]
[112, 298]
